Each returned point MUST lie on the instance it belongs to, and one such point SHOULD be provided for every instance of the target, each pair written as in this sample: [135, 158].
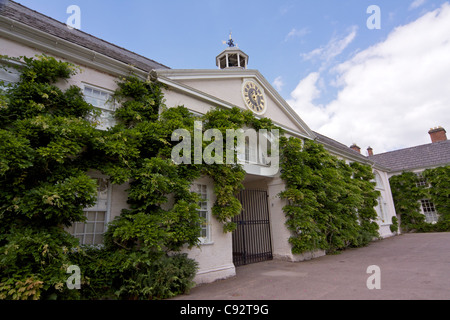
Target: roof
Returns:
[22, 14]
[423, 156]
[340, 147]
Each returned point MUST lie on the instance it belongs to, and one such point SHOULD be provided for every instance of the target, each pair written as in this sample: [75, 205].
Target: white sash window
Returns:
[91, 232]
[102, 100]
[204, 211]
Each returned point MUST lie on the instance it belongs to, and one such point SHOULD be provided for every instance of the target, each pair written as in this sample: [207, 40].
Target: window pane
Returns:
[101, 99]
[195, 188]
[101, 216]
[89, 239]
[90, 227]
[91, 216]
[10, 75]
[99, 228]
[79, 228]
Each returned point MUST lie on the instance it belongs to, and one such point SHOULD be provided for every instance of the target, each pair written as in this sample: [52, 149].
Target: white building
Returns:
[24, 32]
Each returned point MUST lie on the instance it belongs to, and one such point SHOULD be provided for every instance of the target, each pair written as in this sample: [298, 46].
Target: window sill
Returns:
[206, 243]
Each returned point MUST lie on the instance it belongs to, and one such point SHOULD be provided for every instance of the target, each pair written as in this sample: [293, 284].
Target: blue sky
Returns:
[307, 49]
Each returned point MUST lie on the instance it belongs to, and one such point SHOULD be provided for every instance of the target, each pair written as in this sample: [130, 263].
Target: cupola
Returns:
[232, 57]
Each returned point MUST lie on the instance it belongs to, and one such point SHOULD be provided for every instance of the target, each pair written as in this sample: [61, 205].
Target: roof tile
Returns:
[16, 11]
[423, 156]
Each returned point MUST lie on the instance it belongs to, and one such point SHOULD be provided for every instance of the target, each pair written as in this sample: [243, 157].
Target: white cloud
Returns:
[416, 3]
[389, 94]
[333, 48]
[302, 101]
[278, 83]
[294, 33]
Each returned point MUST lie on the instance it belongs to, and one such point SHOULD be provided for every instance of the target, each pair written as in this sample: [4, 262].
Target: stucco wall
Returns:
[87, 75]
[215, 256]
[384, 230]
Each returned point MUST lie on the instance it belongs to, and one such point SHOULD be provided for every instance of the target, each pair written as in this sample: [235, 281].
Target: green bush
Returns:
[134, 275]
[33, 264]
[394, 226]
[162, 278]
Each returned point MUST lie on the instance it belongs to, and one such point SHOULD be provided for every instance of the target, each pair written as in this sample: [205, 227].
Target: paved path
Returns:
[412, 267]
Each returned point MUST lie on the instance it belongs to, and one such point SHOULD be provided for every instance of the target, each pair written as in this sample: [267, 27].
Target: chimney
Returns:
[370, 151]
[355, 147]
[437, 134]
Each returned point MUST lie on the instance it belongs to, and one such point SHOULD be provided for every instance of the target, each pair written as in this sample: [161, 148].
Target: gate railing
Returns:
[252, 239]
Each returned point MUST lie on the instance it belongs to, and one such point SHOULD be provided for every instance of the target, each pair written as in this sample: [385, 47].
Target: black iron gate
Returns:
[252, 239]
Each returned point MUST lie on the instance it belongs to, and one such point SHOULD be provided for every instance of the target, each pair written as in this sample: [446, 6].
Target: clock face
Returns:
[254, 97]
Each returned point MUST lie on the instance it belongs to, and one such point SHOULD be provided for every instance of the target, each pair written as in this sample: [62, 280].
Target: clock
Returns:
[254, 97]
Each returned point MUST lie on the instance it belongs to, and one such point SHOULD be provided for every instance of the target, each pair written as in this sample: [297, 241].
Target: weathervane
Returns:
[230, 42]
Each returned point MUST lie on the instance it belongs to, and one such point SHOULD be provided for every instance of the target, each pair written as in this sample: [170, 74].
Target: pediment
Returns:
[225, 88]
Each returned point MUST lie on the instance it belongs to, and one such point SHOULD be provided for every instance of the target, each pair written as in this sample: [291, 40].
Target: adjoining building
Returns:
[417, 159]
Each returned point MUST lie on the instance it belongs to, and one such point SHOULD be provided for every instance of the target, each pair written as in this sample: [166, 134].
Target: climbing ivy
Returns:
[330, 203]
[439, 192]
[407, 193]
[44, 150]
[49, 141]
[228, 177]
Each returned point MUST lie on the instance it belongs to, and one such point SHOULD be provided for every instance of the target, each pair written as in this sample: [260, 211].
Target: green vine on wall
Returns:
[49, 141]
[330, 203]
[407, 192]
[45, 148]
[48, 144]
[228, 178]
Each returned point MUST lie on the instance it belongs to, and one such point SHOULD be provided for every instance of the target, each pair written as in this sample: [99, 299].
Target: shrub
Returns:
[133, 275]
